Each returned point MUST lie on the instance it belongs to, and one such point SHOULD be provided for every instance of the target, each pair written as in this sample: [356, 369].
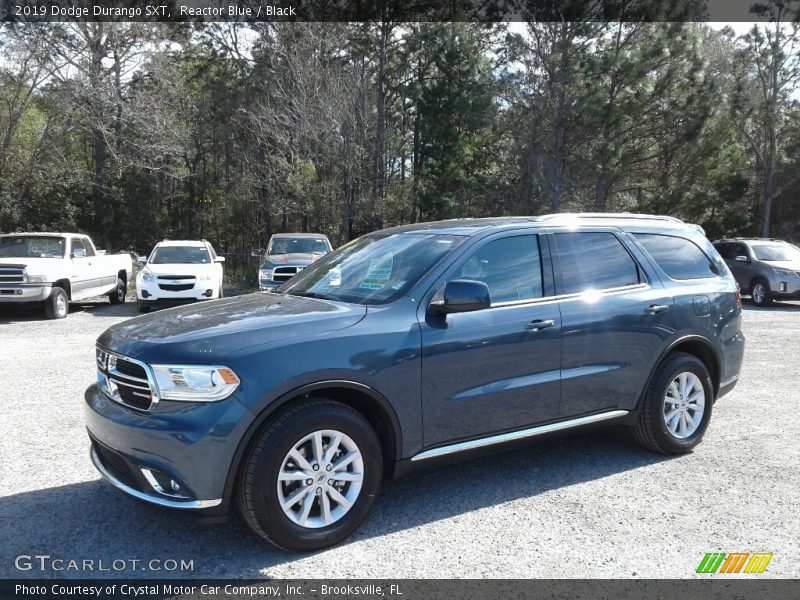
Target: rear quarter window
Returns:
[678, 257]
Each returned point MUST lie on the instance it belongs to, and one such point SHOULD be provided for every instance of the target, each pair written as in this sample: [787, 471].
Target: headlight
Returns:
[784, 273]
[265, 273]
[147, 276]
[194, 383]
[37, 278]
[206, 277]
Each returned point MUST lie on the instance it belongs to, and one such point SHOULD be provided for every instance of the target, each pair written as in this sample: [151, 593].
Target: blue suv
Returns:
[408, 345]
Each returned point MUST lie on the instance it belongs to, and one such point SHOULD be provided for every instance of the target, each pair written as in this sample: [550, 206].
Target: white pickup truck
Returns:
[59, 268]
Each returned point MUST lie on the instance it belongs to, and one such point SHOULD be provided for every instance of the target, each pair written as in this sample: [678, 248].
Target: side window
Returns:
[593, 261]
[725, 250]
[76, 244]
[87, 243]
[511, 267]
[678, 257]
[739, 250]
[213, 254]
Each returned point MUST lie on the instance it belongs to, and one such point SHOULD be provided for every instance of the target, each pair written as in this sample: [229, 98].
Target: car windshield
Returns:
[374, 269]
[180, 255]
[28, 246]
[304, 245]
[776, 252]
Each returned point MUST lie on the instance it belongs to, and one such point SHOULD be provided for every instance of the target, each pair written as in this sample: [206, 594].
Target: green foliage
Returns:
[237, 132]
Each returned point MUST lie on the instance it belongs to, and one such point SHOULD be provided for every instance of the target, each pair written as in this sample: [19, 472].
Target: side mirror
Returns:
[220, 259]
[256, 253]
[79, 253]
[462, 295]
[141, 260]
[743, 259]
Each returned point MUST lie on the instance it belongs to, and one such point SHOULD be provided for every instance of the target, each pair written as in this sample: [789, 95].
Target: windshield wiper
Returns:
[313, 295]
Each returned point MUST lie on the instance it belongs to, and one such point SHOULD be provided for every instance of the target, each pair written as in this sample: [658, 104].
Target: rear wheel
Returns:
[677, 406]
[311, 477]
[760, 293]
[119, 293]
[57, 305]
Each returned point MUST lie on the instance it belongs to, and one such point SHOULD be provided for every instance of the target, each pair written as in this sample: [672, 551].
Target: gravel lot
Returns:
[588, 506]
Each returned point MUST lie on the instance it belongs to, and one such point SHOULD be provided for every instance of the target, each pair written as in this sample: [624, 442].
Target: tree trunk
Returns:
[380, 126]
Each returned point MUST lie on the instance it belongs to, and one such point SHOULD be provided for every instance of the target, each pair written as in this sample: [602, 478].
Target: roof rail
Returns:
[623, 215]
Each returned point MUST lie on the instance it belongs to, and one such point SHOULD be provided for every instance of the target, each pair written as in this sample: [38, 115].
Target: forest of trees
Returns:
[133, 132]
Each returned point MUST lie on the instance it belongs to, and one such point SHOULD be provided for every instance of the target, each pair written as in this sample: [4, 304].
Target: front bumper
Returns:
[25, 292]
[149, 293]
[178, 455]
[784, 288]
[269, 285]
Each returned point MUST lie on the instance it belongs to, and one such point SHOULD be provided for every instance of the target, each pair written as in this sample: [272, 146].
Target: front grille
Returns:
[124, 380]
[181, 287]
[285, 273]
[12, 274]
[134, 370]
[115, 465]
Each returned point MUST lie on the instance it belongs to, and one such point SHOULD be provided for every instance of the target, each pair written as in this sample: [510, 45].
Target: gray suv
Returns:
[409, 346]
[765, 268]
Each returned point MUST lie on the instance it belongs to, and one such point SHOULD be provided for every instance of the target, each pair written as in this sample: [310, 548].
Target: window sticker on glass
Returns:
[379, 273]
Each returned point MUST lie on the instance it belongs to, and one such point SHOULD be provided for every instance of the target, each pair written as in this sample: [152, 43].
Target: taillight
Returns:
[738, 295]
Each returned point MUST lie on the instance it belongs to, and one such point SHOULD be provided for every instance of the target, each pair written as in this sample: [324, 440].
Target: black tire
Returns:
[143, 309]
[258, 478]
[762, 296]
[119, 293]
[57, 305]
[651, 431]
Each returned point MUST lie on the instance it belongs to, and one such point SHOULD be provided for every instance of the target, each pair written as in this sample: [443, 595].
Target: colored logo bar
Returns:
[734, 562]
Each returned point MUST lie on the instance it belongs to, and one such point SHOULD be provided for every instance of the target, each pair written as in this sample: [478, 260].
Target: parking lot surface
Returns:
[593, 505]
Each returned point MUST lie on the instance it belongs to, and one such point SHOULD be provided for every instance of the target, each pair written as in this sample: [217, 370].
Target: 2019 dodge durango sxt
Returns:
[410, 344]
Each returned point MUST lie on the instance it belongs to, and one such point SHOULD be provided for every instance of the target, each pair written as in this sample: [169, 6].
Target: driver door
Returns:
[495, 369]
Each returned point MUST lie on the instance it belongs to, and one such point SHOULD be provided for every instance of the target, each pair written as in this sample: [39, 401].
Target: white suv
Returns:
[179, 271]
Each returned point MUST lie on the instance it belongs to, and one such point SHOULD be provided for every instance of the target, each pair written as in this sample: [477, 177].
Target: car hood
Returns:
[218, 327]
[178, 269]
[789, 265]
[295, 258]
[31, 262]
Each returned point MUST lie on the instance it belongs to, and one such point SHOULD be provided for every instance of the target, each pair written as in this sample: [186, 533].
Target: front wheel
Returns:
[311, 477]
[677, 406]
[761, 294]
[119, 293]
[57, 305]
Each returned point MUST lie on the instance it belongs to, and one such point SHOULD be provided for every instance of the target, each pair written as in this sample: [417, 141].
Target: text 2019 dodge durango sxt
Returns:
[409, 344]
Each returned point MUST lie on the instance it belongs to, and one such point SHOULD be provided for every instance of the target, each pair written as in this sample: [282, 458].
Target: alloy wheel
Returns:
[759, 293]
[320, 478]
[684, 404]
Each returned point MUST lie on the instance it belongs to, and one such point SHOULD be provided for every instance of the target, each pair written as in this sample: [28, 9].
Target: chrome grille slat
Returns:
[134, 392]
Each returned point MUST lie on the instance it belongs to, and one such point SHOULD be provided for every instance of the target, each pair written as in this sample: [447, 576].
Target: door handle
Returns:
[538, 325]
[655, 309]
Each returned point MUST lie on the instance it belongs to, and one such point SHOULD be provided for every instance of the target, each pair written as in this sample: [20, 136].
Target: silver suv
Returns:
[766, 268]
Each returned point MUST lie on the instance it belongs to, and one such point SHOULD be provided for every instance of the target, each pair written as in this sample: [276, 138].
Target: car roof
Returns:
[469, 227]
[43, 233]
[195, 243]
[299, 235]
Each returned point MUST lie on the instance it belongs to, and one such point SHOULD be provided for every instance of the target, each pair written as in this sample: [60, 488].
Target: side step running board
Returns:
[518, 435]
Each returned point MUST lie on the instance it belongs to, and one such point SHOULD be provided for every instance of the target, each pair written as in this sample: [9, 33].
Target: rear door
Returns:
[616, 317]
[495, 369]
